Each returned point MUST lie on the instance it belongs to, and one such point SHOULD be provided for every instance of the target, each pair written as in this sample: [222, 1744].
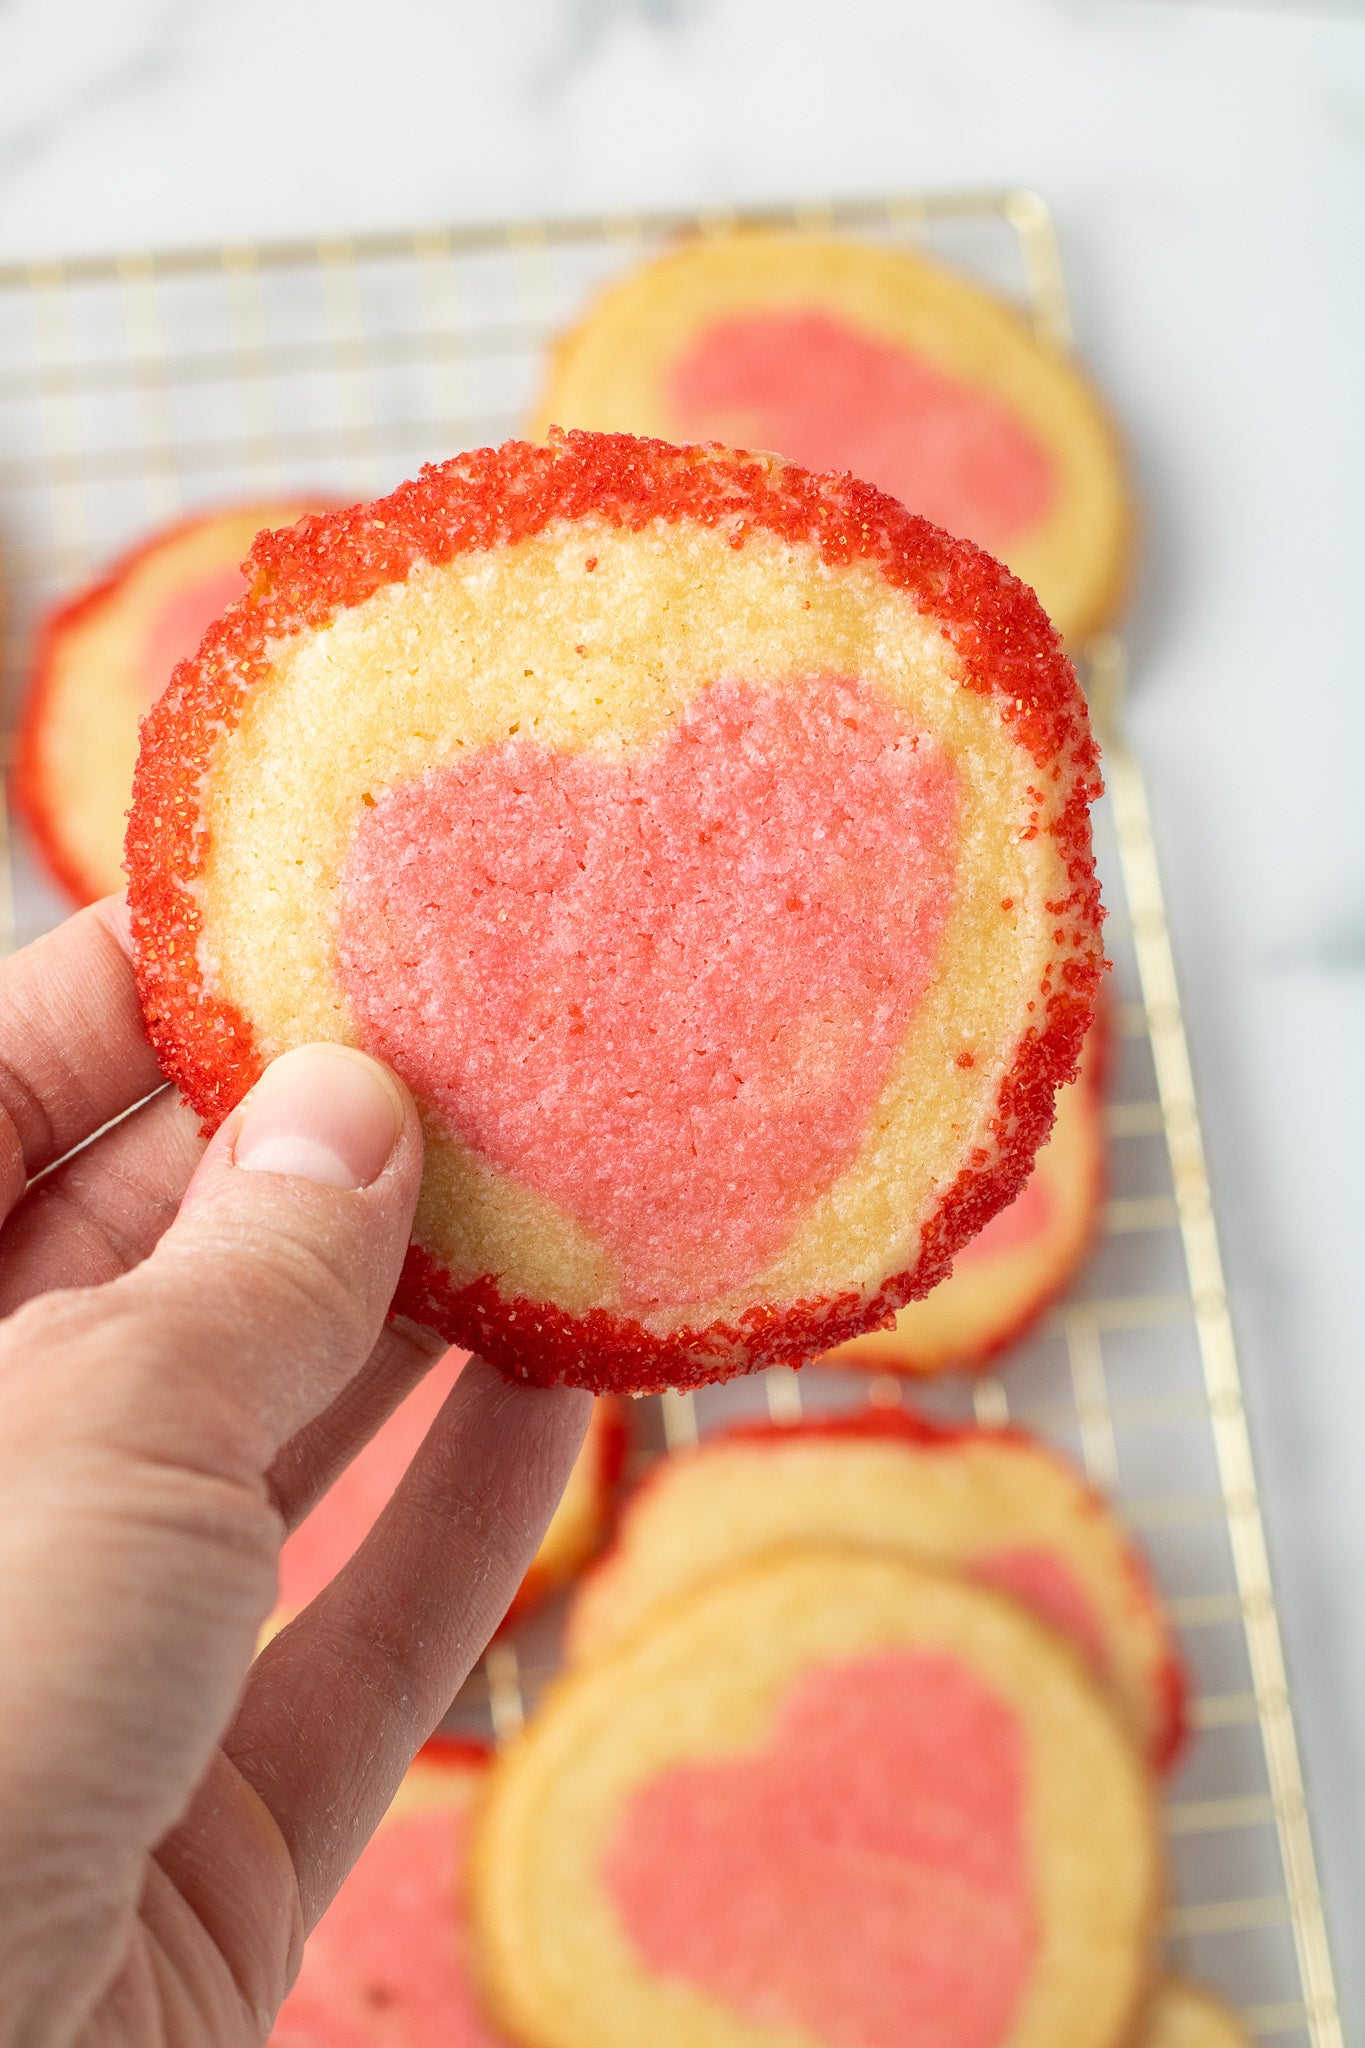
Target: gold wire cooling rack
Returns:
[135, 387]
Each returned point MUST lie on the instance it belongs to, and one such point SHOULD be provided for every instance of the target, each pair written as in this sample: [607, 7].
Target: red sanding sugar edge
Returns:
[1094, 1074]
[903, 1424]
[32, 795]
[979, 1356]
[302, 576]
[455, 1753]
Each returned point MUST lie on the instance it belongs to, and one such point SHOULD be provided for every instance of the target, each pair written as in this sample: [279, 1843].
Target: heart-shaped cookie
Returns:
[871, 358]
[708, 844]
[863, 1878]
[664, 991]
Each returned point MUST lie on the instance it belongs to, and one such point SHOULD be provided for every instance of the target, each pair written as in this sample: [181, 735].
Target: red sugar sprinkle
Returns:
[301, 576]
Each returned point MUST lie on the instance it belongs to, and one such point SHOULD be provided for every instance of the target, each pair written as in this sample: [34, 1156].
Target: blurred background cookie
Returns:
[997, 1505]
[103, 658]
[387, 1965]
[848, 355]
[1184, 2015]
[829, 1798]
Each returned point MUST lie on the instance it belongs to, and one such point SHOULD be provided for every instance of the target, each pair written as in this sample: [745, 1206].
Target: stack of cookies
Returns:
[859, 1743]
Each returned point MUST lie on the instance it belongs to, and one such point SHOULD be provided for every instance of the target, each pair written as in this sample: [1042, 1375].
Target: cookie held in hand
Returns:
[706, 843]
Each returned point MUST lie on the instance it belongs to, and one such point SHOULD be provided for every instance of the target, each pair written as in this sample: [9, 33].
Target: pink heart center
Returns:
[1043, 1582]
[865, 1878]
[666, 991]
[829, 397]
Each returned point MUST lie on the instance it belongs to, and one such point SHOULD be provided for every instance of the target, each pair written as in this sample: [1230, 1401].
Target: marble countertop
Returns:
[1206, 163]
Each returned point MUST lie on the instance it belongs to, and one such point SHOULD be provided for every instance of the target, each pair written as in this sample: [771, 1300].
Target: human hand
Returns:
[173, 1817]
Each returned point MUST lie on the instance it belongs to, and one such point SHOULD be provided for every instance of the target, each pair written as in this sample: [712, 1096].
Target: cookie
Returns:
[995, 1504]
[1010, 1272]
[330, 1536]
[827, 1799]
[847, 355]
[103, 658]
[385, 1967]
[706, 843]
[1183, 2015]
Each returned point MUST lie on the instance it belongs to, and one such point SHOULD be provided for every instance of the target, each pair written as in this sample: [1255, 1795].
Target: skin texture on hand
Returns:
[179, 1382]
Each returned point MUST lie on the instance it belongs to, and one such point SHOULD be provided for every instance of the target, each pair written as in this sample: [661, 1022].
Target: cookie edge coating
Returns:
[976, 1358]
[301, 577]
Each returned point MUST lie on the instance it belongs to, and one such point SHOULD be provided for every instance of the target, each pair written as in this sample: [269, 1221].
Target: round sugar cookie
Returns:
[1004, 1277]
[103, 658]
[827, 1799]
[1184, 2015]
[386, 1966]
[706, 843]
[994, 1504]
[847, 355]
[330, 1535]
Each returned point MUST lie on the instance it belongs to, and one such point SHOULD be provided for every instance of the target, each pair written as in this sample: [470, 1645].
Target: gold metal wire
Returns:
[461, 348]
[1217, 1349]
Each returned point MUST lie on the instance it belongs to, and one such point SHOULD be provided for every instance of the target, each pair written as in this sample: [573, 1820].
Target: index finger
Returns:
[338, 1703]
[73, 1051]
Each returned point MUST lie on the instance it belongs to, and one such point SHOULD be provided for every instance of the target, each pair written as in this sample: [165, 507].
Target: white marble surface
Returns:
[1207, 166]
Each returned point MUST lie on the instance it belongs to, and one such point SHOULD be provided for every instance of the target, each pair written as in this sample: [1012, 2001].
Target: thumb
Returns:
[274, 1280]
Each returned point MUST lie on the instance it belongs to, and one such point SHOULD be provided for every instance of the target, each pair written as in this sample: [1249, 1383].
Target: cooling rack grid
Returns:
[137, 387]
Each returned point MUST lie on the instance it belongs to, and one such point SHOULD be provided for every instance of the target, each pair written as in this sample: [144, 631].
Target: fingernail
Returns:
[322, 1113]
